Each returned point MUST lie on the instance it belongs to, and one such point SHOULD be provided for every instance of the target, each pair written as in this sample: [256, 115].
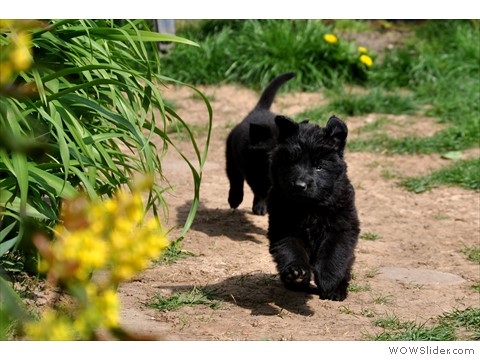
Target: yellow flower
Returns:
[330, 38]
[21, 57]
[362, 49]
[108, 308]
[50, 327]
[367, 60]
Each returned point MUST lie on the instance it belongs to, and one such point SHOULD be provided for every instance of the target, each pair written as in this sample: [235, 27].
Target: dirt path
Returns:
[416, 231]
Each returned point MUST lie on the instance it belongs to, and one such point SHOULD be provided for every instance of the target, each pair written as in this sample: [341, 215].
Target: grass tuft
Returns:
[463, 173]
[454, 325]
[196, 296]
[472, 253]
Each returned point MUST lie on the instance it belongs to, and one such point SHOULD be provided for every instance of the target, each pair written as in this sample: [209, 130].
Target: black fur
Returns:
[313, 222]
[248, 147]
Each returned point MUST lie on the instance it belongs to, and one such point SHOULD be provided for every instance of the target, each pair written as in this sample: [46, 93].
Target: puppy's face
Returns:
[308, 160]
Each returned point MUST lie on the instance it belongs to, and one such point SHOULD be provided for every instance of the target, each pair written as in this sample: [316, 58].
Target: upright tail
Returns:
[269, 93]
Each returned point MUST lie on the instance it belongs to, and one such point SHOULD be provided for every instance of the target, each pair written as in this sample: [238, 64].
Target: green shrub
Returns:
[252, 52]
[83, 119]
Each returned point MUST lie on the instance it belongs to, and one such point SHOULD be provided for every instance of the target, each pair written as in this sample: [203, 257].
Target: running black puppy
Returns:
[313, 222]
[248, 148]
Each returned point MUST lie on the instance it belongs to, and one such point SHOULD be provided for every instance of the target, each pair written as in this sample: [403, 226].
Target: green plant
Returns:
[390, 322]
[372, 273]
[345, 310]
[196, 296]
[476, 286]
[454, 325]
[367, 313]
[472, 253]
[264, 49]
[355, 287]
[463, 173]
[369, 235]
[383, 299]
[440, 64]
[112, 237]
[85, 117]
[173, 253]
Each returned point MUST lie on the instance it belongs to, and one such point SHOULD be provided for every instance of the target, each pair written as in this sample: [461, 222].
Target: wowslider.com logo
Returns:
[428, 350]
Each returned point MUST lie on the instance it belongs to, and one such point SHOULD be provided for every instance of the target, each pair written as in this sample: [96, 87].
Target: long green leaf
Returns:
[52, 182]
[124, 35]
[20, 166]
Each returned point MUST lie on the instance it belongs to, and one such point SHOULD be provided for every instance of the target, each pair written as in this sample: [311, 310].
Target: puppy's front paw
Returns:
[235, 198]
[296, 277]
[259, 207]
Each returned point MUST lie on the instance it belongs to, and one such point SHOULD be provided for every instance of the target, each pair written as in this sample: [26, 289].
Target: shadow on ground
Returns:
[233, 224]
[261, 293]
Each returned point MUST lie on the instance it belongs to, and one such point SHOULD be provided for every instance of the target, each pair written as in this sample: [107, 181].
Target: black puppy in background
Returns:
[313, 222]
[248, 148]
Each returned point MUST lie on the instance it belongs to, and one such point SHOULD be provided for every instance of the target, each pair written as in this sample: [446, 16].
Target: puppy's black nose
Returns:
[300, 185]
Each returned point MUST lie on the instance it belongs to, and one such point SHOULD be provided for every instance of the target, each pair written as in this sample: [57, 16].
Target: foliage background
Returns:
[82, 119]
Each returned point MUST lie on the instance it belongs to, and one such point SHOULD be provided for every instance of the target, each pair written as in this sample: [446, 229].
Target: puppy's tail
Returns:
[269, 93]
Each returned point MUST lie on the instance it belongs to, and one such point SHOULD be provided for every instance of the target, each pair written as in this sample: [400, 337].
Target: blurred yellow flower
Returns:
[51, 326]
[6, 72]
[111, 236]
[362, 49]
[16, 55]
[330, 38]
[367, 60]
[21, 58]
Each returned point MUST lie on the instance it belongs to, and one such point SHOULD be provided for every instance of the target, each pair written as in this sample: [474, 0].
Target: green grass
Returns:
[451, 139]
[375, 101]
[173, 253]
[90, 126]
[355, 287]
[370, 235]
[472, 253]
[476, 287]
[463, 173]
[440, 65]
[262, 50]
[351, 25]
[196, 296]
[383, 299]
[372, 273]
[454, 325]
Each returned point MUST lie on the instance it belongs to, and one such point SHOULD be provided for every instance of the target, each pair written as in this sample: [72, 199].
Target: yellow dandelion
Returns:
[362, 49]
[330, 38]
[367, 60]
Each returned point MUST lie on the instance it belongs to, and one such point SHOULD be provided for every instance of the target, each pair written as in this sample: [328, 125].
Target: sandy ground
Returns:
[417, 232]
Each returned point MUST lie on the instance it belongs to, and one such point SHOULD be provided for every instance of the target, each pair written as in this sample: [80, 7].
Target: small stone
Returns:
[419, 276]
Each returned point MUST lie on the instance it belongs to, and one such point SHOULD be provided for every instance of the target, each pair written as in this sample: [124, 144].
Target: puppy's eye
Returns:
[318, 167]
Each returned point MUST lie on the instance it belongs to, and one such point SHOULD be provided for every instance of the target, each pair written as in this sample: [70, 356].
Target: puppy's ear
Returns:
[259, 133]
[286, 127]
[337, 132]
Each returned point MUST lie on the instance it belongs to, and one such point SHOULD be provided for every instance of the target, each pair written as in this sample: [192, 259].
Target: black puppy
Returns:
[248, 147]
[313, 222]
